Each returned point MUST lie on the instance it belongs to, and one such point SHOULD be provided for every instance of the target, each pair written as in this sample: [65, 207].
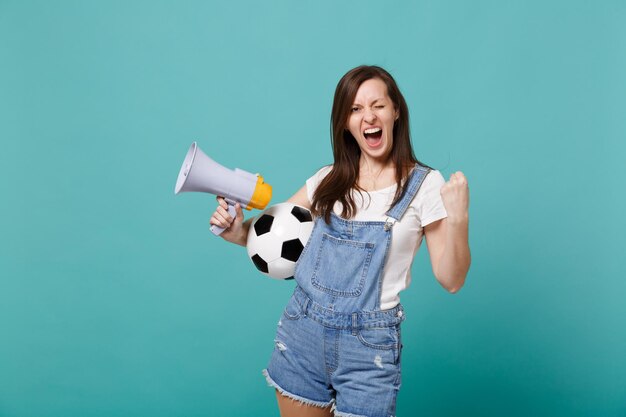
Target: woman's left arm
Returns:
[447, 239]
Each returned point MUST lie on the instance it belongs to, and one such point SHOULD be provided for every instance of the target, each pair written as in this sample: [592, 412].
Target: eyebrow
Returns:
[372, 102]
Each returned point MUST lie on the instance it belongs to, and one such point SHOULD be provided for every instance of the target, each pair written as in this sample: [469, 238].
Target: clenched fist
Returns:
[455, 196]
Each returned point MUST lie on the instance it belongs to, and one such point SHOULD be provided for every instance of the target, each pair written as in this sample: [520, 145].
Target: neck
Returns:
[373, 166]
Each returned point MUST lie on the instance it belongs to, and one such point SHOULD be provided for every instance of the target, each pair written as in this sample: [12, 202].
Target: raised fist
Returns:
[455, 196]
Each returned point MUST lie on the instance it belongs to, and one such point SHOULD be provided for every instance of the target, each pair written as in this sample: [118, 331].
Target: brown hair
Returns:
[337, 185]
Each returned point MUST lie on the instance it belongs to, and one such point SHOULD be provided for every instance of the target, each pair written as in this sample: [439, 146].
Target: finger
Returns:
[458, 179]
[223, 213]
[217, 222]
[222, 202]
[239, 211]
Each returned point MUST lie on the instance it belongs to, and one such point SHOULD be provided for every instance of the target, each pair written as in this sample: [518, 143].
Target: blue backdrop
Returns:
[115, 300]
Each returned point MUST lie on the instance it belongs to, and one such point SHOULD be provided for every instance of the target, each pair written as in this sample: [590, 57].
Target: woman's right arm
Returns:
[301, 198]
[236, 230]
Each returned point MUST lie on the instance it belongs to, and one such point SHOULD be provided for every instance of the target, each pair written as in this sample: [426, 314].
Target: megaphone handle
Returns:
[233, 213]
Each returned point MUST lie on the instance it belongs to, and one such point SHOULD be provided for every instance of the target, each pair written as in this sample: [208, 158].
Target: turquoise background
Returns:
[115, 300]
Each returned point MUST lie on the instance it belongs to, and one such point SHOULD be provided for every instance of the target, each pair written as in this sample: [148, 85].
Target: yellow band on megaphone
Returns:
[261, 196]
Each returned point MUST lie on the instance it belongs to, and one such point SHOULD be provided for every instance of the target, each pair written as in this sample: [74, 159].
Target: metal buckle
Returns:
[389, 223]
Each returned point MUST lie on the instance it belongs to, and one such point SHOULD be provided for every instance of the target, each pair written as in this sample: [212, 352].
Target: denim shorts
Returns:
[351, 361]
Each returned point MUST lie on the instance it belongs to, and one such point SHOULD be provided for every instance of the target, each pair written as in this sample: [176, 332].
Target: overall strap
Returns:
[414, 182]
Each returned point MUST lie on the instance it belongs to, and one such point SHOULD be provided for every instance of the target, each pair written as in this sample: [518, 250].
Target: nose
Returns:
[369, 116]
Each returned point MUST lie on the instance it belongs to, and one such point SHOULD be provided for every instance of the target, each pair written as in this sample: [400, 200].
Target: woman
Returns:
[338, 342]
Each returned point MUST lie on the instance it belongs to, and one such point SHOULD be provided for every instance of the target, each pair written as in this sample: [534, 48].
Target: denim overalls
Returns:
[334, 343]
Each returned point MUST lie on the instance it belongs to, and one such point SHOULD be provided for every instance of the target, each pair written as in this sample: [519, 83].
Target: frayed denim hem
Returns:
[340, 414]
[287, 394]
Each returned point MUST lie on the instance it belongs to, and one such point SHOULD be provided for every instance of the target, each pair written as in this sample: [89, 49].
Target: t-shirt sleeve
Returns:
[428, 202]
[314, 181]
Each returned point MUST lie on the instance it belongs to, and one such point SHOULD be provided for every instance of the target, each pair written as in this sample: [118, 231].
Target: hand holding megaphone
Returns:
[233, 224]
[199, 173]
[229, 207]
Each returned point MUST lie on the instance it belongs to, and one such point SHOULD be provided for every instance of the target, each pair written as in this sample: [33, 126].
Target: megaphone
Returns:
[199, 173]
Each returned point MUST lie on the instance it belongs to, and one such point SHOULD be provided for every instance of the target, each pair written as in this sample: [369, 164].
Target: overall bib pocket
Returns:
[341, 266]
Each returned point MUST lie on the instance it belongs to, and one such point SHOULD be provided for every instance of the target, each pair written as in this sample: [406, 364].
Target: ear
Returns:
[397, 115]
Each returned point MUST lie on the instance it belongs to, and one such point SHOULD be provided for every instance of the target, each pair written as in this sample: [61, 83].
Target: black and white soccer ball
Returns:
[277, 237]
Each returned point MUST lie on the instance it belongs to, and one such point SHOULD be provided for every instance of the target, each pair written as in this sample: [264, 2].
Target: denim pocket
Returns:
[292, 310]
[382, 338]
[341, 266]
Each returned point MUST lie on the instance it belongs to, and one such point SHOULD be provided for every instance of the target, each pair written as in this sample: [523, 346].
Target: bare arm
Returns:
[447, 239]
[301, 198]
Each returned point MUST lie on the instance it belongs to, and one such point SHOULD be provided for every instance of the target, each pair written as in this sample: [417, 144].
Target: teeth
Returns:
[372, 130]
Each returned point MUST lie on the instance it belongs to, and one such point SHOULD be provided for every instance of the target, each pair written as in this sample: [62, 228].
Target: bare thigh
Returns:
[292, 408]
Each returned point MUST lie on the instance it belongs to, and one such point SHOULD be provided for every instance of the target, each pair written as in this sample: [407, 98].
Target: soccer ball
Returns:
[277, 237]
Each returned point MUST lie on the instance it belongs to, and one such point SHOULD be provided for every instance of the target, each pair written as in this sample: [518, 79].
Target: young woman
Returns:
[338, 342]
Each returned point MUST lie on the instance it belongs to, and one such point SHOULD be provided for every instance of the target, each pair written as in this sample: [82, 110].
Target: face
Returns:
[371, 120]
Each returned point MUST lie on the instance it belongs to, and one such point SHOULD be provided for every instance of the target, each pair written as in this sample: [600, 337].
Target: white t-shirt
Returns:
[406, 238]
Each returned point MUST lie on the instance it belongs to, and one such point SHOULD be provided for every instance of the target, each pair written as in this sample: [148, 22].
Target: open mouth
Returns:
[373, 136]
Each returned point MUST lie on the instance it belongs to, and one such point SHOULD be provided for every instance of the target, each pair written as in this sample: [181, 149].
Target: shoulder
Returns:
[315, 179]
[323, 171]
[427, 202]
[431, 185]
[433, 179]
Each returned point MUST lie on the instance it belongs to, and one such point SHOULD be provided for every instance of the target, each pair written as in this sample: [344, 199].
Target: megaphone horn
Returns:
[199, 173]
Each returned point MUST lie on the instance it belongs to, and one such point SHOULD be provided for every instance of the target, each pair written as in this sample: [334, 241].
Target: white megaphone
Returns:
[202, 174]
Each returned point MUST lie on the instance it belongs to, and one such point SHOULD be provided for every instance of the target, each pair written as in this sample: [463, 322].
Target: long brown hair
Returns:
[343, 177]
